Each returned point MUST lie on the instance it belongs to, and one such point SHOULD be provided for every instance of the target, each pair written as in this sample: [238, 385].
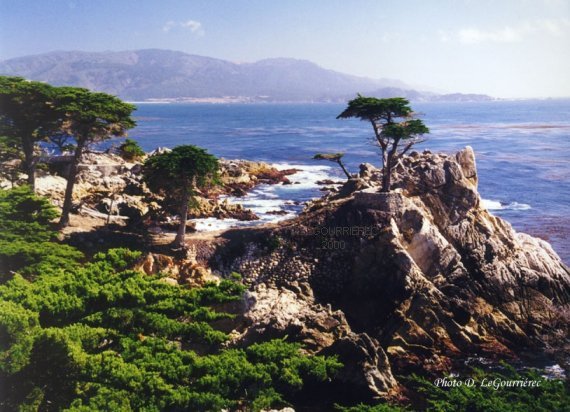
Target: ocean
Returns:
[522, 150]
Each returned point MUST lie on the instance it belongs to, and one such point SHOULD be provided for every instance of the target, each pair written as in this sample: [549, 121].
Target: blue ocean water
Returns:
[522, 149]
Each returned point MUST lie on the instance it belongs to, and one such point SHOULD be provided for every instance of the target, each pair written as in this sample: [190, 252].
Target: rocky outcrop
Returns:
[273, 312]
[409, 281]
[415, 280]
[183, 270]
[108, 184]
[366, 373]
[240, 176]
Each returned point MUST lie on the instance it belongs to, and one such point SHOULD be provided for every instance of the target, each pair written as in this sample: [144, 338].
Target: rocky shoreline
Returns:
[412, 281]
[111, 188]
[415, 281]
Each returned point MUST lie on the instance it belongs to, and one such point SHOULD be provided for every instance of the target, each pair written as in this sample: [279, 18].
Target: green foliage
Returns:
[185, 168]
[404, 130]
[31, 112]
[27, 116]
[91, 116]
[235, 276]
[333, 157]
[262, 373]
[130, 150]
[101, 335]
[118, 259]
[88, 117]
[388, 132]
[10, 160]
[177, 175]
[551, 395]
[374, 109]
[24, 215]
[105, 337]
[30, 258]
[282, 361]
[271, 242]
[25, 235]
[17, 328]
[382, 407]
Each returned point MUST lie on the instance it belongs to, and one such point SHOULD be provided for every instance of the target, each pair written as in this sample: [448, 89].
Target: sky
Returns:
[504, 48]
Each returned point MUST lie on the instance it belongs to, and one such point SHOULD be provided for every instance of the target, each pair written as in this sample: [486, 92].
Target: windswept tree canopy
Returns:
[88, 117]
[31, 112]
[26, 107]
[333, 157]
[177, 174]
[376, 110]
[407, 129]
[384, 114]
[186, 167]
[131, 150]
[27, 116]
[91, 116]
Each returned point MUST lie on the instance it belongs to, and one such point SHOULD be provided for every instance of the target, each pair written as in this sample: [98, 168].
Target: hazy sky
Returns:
[517, 48]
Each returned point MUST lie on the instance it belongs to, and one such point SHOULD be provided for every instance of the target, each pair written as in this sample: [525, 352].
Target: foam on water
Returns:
[262, 206]
[554, 372]
[307, 176]
[210, 224]
[265, 199]
[490, 204]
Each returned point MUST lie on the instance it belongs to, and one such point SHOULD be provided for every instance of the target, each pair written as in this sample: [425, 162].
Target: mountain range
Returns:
[165, 75]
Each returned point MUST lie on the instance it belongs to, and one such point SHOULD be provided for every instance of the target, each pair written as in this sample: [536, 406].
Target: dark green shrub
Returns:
[25, 216]
[130, 150]
[550, 395]
[103, 336]
[26, 237]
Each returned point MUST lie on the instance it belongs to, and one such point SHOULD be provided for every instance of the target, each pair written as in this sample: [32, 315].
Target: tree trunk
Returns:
[68, 199]
[390, 158]
[29, 162]
[344, 169]
[387, 175]
[385, 171]
[179, 241]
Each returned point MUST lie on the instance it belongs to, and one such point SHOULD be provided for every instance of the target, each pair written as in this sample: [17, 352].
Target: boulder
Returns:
[275, 312]
[352, 185]
[366, 372]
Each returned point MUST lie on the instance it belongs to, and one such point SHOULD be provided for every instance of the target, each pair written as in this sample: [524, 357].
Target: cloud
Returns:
[169, 25]
[556, 27]
[192, 25]
[444, 36]
[507, 34]
[474, 36]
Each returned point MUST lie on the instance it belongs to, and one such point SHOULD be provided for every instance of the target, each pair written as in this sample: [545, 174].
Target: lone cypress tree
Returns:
[389, 133]
[177, 175]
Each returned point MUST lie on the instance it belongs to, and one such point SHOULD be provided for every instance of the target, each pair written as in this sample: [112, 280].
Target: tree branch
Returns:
[383, 144]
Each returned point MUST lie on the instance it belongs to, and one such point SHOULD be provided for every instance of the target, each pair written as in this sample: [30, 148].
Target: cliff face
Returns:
[400, 282]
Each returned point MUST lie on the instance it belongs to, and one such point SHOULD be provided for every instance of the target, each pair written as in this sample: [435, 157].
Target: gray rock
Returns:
[433, 276]
[366, 371]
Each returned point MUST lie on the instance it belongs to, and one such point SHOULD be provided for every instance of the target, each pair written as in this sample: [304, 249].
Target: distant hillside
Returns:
[170, 75]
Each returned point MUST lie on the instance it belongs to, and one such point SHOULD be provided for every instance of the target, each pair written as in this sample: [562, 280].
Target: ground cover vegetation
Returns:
[99, 335]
